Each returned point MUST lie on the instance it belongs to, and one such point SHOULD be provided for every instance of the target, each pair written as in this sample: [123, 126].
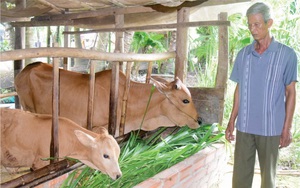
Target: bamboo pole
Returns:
[82, 53]
[125, 99]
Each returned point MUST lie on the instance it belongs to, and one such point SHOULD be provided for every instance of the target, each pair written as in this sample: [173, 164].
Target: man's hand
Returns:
[229, 132]
[286, 138]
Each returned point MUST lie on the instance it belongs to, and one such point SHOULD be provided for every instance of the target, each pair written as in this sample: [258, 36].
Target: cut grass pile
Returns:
[141, 159]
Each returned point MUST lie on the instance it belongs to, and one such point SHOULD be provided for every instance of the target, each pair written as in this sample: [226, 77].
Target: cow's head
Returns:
[103, 152]
[178, 106]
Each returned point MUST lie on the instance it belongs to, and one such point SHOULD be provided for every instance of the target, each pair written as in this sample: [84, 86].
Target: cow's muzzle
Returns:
[199, 120]
[118, 176]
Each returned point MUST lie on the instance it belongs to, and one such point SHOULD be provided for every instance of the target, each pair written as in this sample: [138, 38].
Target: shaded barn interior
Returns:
[120, 16]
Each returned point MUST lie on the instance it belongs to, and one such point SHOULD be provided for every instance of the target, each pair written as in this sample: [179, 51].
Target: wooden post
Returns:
[54, 146]
[66, 44]
[114, 86]
[19, 44]
[48, 41]
[91, 96]
[119, 45]
[222, 70]
[181, 44]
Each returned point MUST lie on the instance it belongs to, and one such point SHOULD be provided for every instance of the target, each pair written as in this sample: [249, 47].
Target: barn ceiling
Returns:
[101, 13]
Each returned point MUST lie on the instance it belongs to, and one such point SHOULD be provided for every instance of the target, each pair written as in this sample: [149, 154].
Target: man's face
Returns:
[257, 26]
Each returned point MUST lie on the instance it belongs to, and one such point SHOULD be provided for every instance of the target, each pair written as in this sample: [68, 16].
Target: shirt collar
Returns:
[272, 47]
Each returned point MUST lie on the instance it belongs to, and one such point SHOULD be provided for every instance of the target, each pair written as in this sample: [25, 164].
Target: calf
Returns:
[25, 140]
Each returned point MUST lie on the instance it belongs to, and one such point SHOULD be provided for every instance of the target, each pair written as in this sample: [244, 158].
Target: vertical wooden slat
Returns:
[54, 146]
[181, 44]
[125, 100]
[113, 103]
[91, 96]
[149, 71]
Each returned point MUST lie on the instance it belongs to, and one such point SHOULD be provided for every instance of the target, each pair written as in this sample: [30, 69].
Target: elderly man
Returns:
[264, 101]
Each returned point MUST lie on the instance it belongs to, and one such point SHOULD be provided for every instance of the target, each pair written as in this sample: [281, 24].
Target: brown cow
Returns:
[171, 103]
[25, 141]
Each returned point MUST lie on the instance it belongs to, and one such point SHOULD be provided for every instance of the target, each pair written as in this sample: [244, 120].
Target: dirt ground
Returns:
[284, 178]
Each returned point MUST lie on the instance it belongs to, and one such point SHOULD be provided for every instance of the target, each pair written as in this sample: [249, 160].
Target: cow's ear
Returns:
[159, 79]
[84, 138]
[103, 130]
[159, 85]
[177, 83]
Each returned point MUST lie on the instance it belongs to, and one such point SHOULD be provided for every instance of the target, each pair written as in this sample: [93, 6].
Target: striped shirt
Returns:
[262, 80]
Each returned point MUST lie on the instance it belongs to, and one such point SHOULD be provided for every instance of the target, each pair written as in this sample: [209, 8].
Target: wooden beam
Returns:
[155, 27]
[148, 27]
[89, 14]
[82, 53]
[43, 23]
[45, 2]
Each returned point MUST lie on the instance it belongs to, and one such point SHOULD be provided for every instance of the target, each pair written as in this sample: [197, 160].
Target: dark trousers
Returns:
[267, 148]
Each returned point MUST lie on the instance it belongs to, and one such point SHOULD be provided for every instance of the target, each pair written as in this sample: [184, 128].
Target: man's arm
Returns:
[230, 127]
[286, 135]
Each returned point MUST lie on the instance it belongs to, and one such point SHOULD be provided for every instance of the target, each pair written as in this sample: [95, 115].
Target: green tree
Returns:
[145, 42]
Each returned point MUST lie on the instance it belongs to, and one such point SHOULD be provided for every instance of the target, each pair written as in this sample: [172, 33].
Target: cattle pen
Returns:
[209, 102]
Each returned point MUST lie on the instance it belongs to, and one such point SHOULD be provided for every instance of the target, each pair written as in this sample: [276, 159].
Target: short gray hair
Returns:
[260, 8]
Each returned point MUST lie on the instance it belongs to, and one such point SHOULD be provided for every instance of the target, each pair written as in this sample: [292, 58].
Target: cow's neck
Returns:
[137, 109]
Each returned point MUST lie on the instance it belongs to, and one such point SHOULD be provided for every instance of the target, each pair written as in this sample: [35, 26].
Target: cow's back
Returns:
[25, 137]
[21, 139]
[28, 85]
[34, 88]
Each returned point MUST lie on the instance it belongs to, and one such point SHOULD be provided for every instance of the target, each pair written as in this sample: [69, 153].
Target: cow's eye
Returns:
[106, 156]
[185, 101]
